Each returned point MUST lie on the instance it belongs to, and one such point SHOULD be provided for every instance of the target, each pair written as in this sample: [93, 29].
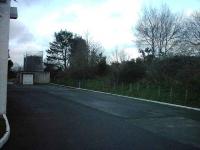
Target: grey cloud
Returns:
[20, 33]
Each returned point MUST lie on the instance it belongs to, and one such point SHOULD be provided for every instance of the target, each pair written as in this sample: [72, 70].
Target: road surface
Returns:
[47, 117]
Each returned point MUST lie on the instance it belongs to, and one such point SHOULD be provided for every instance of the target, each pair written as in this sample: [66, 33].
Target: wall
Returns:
[41, 77]
[38, 77]
[4, 39]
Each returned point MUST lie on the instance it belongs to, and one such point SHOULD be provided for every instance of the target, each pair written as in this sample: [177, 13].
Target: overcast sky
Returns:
[109, 22]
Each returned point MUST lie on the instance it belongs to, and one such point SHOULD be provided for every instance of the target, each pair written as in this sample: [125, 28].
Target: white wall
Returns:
[41, 77]
[4, 38]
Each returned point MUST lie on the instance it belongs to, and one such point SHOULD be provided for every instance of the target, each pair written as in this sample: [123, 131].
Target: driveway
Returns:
[47, 117]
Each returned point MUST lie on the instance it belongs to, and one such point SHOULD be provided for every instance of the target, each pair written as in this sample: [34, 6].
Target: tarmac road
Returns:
[47, 117]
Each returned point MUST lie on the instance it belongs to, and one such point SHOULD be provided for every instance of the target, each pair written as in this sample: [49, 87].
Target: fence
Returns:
[172, 94]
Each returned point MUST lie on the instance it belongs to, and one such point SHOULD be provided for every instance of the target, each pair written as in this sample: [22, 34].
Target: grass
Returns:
[2, 126]
[170, 94]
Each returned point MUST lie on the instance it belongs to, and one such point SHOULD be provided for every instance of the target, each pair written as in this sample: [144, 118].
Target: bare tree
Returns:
[158, 29]
[169, 30]
[96, 53]
[123, 56]
[95, 50]
[115, 55]
[146, 30]
[190, 41]
[119, 55]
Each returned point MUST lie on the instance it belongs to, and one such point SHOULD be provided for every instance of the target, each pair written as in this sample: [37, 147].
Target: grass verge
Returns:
[163, 93]
[2, 126]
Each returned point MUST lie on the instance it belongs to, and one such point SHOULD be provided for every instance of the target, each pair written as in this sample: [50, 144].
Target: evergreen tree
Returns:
[58, 53]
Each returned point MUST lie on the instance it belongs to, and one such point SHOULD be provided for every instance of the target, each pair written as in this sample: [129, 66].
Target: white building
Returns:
[6, 12]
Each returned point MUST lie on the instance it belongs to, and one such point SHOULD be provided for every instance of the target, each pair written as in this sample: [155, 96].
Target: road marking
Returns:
[135, 98]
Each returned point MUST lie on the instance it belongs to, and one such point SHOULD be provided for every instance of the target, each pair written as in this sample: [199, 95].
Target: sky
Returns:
[109, 22]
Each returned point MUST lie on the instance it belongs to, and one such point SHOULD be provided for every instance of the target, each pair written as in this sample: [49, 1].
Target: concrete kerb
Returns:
[135, 98]
[6, 135]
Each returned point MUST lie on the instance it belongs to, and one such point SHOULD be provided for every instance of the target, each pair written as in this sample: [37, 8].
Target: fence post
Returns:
[130, 87]
[97, 85]
[86, 81]
[79, 84]
[122, 88]
[103, 86]
[171, 94]
[186, 96]
[114, 86]
[138, 88]
[158, 91]
[147, 86]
